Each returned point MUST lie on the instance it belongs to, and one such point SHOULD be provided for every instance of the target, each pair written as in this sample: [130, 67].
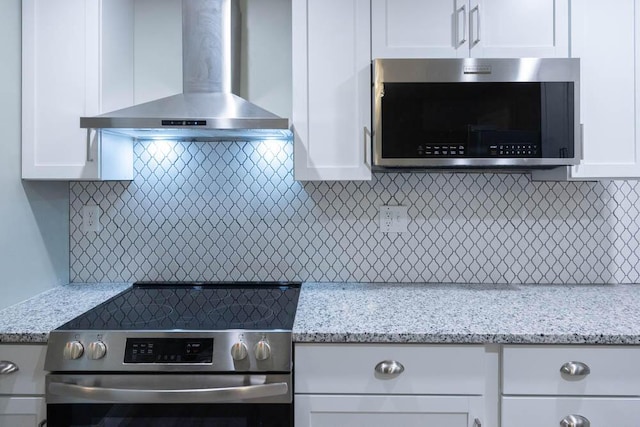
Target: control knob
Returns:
[239, 351]
[262, 350]
[73, 350]
[97, 350]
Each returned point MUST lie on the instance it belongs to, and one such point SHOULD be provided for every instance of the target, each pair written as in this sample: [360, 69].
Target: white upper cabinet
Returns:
[604, 36]
[77, 60]
[470, 28]
[331, 89]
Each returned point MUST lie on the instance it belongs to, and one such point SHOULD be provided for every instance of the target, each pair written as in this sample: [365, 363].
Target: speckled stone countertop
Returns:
[450, 313]
[400, 313]
[30, 321]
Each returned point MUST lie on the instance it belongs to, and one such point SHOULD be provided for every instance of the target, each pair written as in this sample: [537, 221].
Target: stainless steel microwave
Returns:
[476, 113]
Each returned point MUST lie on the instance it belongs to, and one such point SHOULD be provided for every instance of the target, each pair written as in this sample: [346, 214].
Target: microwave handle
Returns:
[461, 40]
[204, 395]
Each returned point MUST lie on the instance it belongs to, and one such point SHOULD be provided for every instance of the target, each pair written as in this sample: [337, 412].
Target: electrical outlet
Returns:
[90, 218]
[394, 219]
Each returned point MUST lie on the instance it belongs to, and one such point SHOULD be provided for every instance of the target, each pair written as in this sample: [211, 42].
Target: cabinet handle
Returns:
[476, 11]
[462, 40]
[42, 423]
[89, 158]
[477, 423]
[575, 369]
[575, 421]
[389, 367]
[367, 152]
[7, 367]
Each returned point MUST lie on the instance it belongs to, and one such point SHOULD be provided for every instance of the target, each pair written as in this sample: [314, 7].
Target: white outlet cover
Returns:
[394, 219]
[90, 218]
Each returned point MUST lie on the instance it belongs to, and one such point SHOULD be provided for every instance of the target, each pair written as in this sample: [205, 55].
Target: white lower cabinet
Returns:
[410, 385]
[318, 410]
[551, 411]
[22, 387]
[22, 411]
[580, 386]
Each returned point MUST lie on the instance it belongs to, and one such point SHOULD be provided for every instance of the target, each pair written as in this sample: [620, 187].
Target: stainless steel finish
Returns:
[262, 350]
[211, 76]
[184, 388]
[210, 46]
[279, 361]
[461, 40]
[97, 350]
[453, 70]
[476, 40]
[7, 367]
[477, 423]
[72, 350]
[389, 367]
[575, 421]
[89, 157]
[575, 369]
[239, 351]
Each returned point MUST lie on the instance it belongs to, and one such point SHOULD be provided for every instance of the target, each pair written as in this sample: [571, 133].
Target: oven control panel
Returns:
[168, 350]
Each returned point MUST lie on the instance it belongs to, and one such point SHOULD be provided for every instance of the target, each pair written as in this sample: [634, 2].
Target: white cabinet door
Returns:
[22, 411]
[476, 28]
[29, 378]
[77, 60]
[419, 28]
[605, 37]
[519, 29]
[549, 411]
[385, 411]
[331, 89]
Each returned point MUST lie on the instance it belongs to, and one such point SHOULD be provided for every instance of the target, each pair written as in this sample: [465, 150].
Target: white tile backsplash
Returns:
[232, 211]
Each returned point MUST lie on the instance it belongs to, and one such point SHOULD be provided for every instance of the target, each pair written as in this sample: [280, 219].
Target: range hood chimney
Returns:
[208, 109]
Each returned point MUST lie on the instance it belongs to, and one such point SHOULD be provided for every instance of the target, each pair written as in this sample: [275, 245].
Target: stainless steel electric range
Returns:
[177, 354]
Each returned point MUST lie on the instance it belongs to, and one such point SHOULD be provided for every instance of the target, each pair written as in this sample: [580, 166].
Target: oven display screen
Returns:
[169, 350]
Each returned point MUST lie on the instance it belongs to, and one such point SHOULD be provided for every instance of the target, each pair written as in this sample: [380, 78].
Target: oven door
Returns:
[168, 400]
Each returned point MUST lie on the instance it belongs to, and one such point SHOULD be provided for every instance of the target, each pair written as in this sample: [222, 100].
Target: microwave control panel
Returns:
[491, 151]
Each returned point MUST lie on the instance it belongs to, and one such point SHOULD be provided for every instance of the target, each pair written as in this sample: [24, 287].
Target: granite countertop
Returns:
[400, 313]
[450, 313]
[30, 321]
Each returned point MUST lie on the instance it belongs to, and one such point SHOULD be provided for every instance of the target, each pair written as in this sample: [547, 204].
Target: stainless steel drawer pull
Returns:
[389, 367]
[7, 367]
[575, 421]
[575, 369]
[477, 423]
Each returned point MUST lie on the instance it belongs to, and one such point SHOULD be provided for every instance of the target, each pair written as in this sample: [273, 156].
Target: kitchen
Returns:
[464, 228]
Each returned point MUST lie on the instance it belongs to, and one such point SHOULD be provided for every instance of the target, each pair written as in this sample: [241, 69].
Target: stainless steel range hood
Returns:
[208, 109]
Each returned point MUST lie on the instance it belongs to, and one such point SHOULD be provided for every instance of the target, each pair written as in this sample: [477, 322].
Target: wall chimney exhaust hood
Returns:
[208, 109]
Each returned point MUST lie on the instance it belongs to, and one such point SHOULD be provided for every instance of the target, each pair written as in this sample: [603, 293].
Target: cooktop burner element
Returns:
[182, 327]
[194, 306]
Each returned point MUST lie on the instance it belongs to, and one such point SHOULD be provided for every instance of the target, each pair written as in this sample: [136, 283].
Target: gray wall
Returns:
[34, 216]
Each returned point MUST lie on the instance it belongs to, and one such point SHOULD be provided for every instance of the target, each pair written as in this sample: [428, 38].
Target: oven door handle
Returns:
[199, 395]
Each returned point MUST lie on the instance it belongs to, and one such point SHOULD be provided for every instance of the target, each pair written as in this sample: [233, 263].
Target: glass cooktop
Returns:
[195, 306]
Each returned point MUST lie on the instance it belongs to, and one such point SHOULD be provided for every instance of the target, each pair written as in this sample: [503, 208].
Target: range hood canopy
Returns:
[208, 109]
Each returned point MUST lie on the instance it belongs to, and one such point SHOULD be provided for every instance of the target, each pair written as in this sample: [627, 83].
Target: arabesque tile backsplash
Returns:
[232, 211]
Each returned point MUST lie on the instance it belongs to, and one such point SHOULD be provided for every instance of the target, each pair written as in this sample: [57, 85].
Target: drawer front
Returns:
[428, 369]
[531, 370]
[29, 379]
[353, 410]
[548, 411]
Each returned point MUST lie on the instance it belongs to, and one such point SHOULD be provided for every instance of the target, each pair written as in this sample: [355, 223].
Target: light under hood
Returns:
[207, 110]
